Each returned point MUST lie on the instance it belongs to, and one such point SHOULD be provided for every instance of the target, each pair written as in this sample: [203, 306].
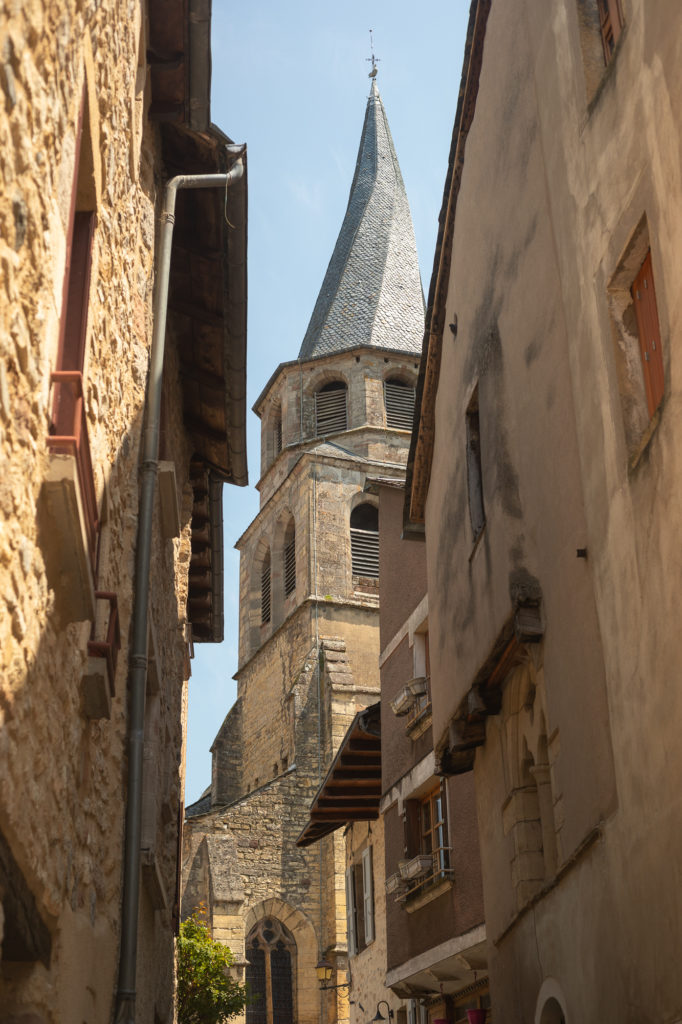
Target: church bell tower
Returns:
[335, 416]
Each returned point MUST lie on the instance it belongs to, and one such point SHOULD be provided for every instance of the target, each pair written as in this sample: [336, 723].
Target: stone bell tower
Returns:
[308, 624]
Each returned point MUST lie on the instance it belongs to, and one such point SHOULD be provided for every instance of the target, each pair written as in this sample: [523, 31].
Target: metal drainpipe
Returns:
[125, 995]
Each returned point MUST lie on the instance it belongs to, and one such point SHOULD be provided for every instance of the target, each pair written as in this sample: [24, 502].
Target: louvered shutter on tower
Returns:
[265, 591]
[290, 565]
[364, 541]
[330, 409]
[399, 402]
[365, 552]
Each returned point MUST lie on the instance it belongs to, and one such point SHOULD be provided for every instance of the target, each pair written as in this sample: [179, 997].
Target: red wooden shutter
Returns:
[644, 295]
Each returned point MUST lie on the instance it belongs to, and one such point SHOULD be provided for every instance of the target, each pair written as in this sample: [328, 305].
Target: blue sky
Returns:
[290, 80]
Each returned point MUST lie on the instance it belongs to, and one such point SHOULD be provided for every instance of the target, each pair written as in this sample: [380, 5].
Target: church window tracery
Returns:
[271, 956]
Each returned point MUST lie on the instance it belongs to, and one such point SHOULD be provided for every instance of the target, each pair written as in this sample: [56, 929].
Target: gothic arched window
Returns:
[270, 956]
[330, 409]
[364, 540]
[399, 402]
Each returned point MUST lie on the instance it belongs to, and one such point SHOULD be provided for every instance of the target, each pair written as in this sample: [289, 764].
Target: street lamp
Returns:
[378, 1015]
[324, 970]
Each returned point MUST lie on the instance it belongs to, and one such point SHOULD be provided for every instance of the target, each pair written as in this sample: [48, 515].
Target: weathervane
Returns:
[373, 60]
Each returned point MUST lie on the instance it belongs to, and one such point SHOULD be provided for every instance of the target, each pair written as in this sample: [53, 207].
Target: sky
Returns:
[290, 80]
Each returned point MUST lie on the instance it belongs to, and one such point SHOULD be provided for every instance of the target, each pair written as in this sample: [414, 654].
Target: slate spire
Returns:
[372, 293]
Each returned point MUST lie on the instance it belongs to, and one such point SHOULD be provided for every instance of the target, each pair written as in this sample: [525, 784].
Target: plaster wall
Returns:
[556, 185]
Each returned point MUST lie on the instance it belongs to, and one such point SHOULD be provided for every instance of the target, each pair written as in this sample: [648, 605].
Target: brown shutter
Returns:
[644, 295]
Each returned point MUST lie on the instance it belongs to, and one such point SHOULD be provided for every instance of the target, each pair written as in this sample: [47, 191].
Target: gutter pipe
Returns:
[126, 991]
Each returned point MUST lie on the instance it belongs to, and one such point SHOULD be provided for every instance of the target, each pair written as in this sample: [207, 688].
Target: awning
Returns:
[351, 790]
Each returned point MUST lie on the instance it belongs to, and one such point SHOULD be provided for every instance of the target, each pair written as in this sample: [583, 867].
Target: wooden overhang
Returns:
[351, 790]
[207, 287]
[421, 448]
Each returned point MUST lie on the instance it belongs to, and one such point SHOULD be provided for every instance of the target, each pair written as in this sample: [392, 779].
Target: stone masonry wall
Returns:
[61, 806]
[294, 390]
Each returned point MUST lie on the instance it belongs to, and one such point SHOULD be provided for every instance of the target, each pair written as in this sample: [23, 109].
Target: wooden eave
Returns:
[421, 448]
[351, 790]
[207, 286]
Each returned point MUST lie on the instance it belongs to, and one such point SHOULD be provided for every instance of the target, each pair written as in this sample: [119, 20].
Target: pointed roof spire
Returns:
[372, 293]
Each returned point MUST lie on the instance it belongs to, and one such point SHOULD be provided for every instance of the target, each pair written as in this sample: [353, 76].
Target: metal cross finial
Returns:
[373, 60]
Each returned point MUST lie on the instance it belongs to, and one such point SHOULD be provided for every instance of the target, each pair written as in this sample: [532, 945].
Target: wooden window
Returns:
[649, 332]
[265, 602]
[433, 829]
[364, 541]
[290, 560]
[399, 403]
[426, 841]
[611, 25]
[330, 409]
[474, 467]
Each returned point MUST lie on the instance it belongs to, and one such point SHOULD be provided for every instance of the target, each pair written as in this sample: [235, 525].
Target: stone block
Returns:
[95, 692]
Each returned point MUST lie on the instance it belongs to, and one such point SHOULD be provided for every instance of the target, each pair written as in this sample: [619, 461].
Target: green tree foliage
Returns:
[207, 994]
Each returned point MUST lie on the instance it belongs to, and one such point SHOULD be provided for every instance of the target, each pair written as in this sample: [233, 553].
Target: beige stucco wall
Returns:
[61, 805]
[555, 184]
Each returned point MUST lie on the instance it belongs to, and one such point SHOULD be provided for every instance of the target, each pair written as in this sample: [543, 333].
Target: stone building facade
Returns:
[94, 120]
[545, 467]
[309, 604]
